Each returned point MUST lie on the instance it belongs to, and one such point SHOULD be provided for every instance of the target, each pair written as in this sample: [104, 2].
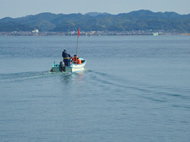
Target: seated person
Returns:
[76, 60]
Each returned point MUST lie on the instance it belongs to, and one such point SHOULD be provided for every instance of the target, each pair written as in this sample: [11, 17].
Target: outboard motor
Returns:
[61, 66]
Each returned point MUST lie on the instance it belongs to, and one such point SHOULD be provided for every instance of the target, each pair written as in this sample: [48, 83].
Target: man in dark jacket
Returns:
[66, 58]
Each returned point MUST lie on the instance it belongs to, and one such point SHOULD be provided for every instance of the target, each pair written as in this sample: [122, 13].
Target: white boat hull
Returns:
[75, 68]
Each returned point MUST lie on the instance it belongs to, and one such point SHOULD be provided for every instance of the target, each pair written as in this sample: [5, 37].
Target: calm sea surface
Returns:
[134, 89]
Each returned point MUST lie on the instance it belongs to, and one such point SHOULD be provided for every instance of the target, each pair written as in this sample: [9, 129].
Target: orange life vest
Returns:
[79, 61]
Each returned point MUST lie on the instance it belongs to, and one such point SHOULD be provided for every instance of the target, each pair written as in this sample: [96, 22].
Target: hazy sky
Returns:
[19, 8]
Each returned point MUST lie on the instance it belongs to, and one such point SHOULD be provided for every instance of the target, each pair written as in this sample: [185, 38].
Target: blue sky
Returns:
[19, 8]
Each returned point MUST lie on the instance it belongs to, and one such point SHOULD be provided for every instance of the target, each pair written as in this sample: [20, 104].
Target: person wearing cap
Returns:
[75, 59]
[66, 58]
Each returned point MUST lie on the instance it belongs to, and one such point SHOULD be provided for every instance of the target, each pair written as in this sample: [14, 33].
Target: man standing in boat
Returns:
[66, 58]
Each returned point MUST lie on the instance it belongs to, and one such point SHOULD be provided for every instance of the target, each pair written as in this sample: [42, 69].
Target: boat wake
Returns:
[143, 91]
[23, 76]
[99, 82]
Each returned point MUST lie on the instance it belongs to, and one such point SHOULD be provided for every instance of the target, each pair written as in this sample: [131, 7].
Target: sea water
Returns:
[133, 89]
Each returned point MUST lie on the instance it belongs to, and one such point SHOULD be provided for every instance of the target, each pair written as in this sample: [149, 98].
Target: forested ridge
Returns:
[137, 20]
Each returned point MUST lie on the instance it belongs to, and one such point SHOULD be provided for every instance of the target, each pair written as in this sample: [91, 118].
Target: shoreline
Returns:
[90, 33]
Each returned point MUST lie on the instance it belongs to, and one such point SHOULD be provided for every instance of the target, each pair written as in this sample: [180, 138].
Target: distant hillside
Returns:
[133, 21]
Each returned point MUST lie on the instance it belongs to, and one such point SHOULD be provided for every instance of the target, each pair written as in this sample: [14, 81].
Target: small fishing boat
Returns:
[73, 67]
